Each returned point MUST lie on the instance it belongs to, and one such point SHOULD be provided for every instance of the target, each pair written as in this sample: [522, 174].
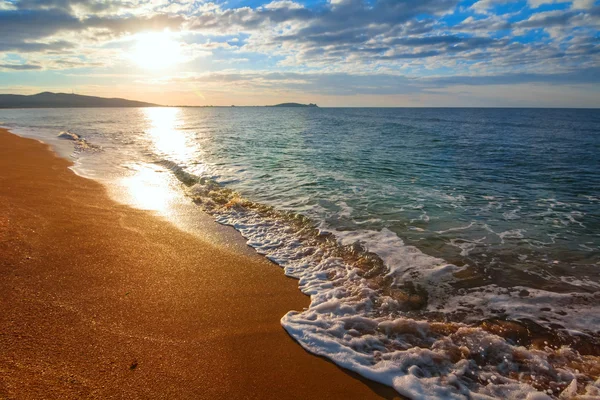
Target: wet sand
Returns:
[100, 300]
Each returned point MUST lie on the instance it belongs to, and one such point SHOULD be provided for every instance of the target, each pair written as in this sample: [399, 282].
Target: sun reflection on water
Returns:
[149, 188]
[148, 185]
[167, 136]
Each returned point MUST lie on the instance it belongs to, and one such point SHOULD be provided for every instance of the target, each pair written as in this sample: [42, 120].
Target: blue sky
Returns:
[540, 53]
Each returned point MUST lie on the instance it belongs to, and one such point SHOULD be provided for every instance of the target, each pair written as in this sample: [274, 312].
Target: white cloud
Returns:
[483, 6]
[539, 3]
[583, 4]
[283, 4]
[576, 4]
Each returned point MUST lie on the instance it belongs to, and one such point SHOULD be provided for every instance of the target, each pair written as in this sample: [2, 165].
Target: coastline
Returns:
[101, 300]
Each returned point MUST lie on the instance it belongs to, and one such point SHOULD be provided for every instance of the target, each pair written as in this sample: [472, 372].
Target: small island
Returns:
[294, 105]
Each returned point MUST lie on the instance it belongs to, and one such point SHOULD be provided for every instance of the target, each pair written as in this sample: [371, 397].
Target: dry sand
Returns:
[100, 300]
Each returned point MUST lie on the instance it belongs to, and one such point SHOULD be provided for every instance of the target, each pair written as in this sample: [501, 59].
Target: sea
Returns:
[451, 253]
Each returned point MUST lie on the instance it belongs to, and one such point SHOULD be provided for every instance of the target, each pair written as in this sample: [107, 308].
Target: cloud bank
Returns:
[332, 47]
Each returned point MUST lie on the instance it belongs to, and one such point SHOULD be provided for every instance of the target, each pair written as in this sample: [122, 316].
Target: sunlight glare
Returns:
[147, 188]
[156, 50]
[175, 144]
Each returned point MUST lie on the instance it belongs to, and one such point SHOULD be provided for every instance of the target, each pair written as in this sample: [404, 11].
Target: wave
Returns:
[395, 315]
[80, 144]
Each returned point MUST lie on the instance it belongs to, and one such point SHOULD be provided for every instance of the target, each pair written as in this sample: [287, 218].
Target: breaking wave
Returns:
[80, 144]
[395, 315]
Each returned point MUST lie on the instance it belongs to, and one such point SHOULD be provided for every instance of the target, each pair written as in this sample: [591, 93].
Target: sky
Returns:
[376, 53]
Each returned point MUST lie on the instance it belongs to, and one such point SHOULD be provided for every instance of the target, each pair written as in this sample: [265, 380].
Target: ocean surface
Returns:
[449, 253]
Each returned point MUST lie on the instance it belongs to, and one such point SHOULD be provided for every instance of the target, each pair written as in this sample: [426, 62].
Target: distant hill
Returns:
[294, 105]
[65, 100]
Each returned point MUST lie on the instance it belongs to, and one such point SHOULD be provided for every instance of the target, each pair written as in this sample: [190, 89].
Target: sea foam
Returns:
[80, 143]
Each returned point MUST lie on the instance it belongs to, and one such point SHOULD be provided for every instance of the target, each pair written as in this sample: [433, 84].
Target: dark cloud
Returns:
[443, 44]
[401, 56]
[358, 21]
[25, 30]
[67, 5]
[248, 19]
[121, 25]
[546, 20]
[23, 25]
[20, 67]
[425, 40]
[490, 24]
[577, 76]
[32, 47]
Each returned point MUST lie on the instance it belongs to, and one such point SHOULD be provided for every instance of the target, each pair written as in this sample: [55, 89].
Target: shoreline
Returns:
[102, 300]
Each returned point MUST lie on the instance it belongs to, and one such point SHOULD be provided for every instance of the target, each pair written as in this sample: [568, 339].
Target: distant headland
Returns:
[65, 100]
[294, 105]
[71, 100]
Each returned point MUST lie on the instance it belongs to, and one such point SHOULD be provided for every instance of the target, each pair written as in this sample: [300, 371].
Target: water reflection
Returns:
[167, 136]
[147, 184]
[149, 188]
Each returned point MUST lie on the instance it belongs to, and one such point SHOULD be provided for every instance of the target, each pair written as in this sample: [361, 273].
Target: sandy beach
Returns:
[100, 300]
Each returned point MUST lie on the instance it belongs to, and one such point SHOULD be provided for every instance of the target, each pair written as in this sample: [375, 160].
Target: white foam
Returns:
[439, 368]
[398, 257]
[512, 234]
[353, 323]
[460, 228]
[68, 136]
[466, 246]
[512, 214]
[579, 312]
[346, 210]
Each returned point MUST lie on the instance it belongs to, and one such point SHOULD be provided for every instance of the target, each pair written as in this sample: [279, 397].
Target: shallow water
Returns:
[425, 237]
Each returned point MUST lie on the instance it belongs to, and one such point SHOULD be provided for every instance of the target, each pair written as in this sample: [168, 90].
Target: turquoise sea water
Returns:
[505, 190]
[414, 216]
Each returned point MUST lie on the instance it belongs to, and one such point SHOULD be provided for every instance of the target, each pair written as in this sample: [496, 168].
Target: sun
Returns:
[156, 50]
